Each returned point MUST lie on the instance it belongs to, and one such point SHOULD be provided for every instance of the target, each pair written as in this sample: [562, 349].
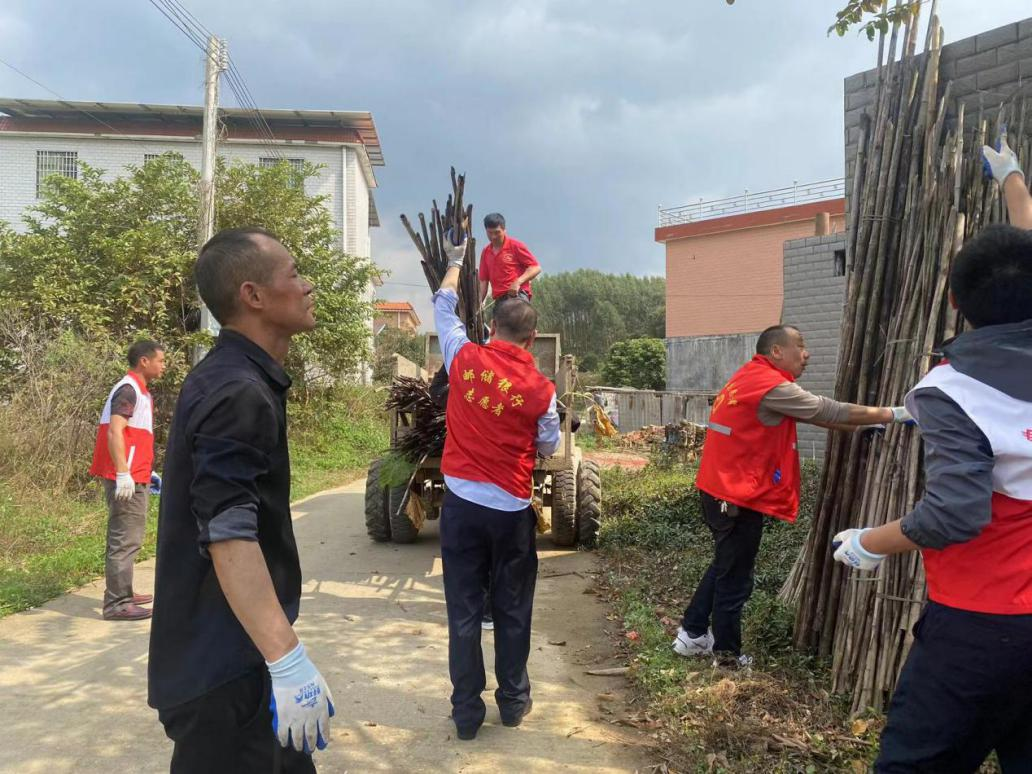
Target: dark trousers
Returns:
[229, 731]
[965, 690]
[728, 581]
[481, 547]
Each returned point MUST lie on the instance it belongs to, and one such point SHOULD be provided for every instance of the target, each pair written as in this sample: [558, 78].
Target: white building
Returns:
[43, 137]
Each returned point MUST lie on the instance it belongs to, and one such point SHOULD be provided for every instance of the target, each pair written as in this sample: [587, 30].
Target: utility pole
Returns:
[215, 63]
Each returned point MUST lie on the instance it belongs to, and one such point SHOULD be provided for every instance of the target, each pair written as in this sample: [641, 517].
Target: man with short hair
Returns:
[233, 686]
[123, 458]
[505, 263]
[966, 687]
[750, 469]
[501, 414]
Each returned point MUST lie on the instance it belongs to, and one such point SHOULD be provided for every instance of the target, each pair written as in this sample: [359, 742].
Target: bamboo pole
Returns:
[918, 192]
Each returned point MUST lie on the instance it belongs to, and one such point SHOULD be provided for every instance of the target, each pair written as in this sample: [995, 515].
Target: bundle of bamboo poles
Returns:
[455, 225]
[918, 192]
[424, 436]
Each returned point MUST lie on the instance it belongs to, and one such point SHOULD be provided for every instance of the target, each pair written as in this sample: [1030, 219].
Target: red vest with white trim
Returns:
[744, 461]
[993, 572]
[495, 399]
[138, 434]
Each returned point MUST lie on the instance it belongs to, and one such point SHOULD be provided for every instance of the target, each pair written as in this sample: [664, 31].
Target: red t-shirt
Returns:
[504, 267]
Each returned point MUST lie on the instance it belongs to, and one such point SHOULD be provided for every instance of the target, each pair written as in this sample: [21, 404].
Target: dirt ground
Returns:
[373, 620]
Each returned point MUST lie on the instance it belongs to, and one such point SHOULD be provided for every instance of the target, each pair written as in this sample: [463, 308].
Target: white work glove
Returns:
[125, 487]
[900, 415]
[849, 551]
[455, 253]
[1002, 162]
[301, 702]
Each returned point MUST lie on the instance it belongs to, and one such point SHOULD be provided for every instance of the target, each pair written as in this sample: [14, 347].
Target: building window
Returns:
[297, 165]
[64, 163]
[840, 263]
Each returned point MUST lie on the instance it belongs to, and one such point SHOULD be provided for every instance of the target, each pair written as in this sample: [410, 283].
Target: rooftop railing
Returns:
[797, 193]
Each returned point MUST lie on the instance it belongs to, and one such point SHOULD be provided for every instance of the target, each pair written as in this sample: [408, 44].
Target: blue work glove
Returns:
[851, 552]
[301, 702]
[155, 483]
[1000, 162]
[901, 416]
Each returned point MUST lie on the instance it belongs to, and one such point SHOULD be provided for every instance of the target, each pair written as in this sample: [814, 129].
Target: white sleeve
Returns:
[450, 329]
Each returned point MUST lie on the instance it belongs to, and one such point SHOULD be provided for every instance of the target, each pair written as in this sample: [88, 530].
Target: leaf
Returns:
[860, 726]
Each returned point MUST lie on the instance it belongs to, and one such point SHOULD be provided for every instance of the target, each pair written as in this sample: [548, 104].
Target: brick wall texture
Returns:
[985, 69]
[814, 299]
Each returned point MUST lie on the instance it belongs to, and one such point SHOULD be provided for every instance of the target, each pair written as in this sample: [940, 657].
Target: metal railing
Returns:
[797, 193]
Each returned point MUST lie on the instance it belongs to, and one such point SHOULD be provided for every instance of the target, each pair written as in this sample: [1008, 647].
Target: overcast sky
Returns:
[575, 119]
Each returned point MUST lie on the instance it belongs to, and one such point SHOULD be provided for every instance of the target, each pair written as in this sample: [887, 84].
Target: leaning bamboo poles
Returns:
[919, 190]
[453, 225]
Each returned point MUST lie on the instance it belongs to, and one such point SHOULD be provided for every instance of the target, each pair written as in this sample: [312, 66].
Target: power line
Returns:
[197, 33]
[86, 113]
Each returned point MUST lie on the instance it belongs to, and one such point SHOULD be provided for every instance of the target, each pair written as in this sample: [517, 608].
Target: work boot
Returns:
[687, 646]
[129, 612]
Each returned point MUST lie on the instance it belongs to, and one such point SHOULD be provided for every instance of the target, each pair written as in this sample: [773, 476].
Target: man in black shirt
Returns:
[228, 676]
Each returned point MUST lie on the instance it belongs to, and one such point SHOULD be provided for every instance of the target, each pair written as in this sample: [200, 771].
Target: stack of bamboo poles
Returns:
[455, 225]
[919, 191]
[424, 437]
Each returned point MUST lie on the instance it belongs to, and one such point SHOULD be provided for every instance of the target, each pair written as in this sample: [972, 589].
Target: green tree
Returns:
[114, 258]
[396, 340]
[592, 310]
[873, 16]
[639, 363]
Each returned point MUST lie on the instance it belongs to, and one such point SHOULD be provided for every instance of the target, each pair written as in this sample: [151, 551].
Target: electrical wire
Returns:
[197, 33]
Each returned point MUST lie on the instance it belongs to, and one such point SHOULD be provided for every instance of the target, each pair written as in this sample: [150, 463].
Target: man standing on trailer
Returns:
[505, 263]
[501, 414]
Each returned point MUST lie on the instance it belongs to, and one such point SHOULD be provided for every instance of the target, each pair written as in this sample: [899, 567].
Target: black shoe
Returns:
[466, 734]
[516, 720]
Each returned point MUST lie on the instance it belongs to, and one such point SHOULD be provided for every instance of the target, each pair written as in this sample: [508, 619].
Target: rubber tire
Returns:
[377, 522]
[564, 508]
[589, 503]
[402, 528]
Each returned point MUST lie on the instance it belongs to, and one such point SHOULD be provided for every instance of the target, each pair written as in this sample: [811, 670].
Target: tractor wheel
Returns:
[402, 528]
[589, 503]
[564, 508]
[377, 521]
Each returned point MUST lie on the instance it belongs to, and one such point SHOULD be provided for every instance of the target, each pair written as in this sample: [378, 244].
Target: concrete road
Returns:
[373, 620]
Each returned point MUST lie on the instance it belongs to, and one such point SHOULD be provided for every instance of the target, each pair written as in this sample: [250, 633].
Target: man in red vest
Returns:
[505, 263]
[501, 414]
[966, 687]
[122, 459]
[750, 469]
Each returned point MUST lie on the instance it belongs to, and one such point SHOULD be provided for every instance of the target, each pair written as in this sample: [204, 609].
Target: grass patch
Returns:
[781, 717]
[52, 542]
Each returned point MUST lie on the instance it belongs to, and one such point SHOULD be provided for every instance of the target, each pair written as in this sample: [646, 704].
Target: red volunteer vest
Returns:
[495, 399]
[993, 572]
[138, 434]
[744, 461]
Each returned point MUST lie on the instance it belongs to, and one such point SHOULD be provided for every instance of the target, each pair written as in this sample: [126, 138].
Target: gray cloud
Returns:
[574, 118]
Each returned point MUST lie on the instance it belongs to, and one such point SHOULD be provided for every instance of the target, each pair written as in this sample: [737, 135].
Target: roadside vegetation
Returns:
[780, 717]
[101, 263]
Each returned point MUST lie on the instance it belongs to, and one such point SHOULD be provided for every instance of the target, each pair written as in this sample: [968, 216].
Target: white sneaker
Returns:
[687, 646]
[487, 624]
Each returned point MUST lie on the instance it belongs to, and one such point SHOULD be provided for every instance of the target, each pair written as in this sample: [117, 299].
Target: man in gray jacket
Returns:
[966, 687]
